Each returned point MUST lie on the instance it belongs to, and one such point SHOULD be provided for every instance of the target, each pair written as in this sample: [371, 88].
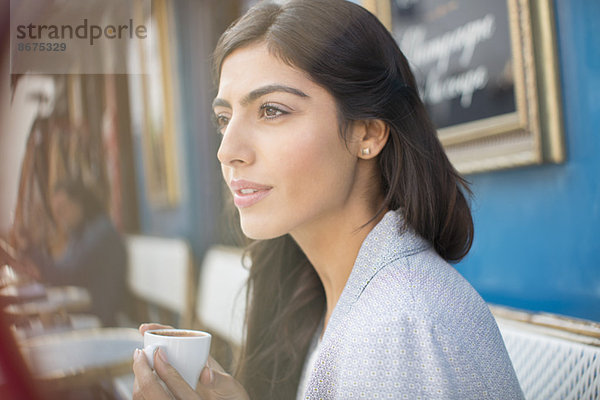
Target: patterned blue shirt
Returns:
[409, 326]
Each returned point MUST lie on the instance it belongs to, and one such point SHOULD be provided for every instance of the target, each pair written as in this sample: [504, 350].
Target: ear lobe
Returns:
[375, 136]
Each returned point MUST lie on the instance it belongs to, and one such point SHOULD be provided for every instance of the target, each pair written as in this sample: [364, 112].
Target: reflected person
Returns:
[95, 256]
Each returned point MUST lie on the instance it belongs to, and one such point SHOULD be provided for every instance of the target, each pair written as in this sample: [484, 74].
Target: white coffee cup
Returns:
[186, 350]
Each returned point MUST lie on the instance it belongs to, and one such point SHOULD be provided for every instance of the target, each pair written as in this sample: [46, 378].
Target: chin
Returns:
[259, 228]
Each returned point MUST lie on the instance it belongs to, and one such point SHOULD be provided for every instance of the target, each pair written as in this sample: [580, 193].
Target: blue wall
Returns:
[537, 243]
[196, 212]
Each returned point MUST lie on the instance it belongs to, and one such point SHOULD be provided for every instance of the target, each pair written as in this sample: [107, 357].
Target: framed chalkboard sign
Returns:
[488, 74]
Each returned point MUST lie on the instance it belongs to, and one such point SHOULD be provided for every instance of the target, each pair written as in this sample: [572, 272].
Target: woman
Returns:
[95, 256]
[337, 173]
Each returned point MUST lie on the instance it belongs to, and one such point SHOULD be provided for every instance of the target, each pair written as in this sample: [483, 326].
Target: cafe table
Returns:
[35, 327]
[81, 358]
[22, 292]
[58, 301]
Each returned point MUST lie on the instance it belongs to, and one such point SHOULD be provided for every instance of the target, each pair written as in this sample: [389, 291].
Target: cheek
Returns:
[314, 167]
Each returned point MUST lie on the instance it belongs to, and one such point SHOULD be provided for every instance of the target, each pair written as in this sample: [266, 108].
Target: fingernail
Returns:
[161, 355]
[211, 375]
[136, 354]
[204, 375]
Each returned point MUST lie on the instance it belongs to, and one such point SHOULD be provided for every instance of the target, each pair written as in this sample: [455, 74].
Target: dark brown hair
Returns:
[346, 50]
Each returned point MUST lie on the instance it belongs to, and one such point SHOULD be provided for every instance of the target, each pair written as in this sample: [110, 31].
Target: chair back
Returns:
[554, 357]
[160, 273]
[221, 300]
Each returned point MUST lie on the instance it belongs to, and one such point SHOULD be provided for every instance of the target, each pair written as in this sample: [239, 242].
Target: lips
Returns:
[246, 193]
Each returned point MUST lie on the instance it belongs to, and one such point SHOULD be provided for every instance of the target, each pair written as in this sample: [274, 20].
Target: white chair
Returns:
[554, 357]
[160, 272]
[221, 300]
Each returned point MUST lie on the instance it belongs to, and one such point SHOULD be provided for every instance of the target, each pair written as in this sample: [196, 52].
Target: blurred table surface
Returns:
[57, 300]
[81, 358]
[21, 293]
[34, 326]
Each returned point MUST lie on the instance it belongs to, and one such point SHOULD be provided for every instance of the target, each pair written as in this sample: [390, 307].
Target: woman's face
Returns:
[281, 153]
[68, 213]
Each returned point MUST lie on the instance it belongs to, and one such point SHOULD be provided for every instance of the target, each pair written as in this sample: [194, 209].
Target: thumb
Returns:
[207, 376]
[215, 379]
[221, 385]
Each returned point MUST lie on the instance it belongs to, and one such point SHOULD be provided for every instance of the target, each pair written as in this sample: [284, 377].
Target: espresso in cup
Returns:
[179, 333]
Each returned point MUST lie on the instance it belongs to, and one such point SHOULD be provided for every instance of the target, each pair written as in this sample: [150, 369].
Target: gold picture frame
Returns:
[159, 122]
[530, 134]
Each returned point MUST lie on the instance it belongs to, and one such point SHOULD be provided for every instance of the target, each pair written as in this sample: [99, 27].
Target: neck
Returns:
[332, 245]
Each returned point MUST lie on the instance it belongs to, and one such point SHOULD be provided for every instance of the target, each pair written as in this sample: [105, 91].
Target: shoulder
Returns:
[419, 305]
[419, 322]
[100, 223]
[422, 284]
[100, 227]
[101, 237]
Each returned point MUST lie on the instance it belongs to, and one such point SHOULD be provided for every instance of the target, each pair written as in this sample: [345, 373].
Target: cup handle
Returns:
[149, 351]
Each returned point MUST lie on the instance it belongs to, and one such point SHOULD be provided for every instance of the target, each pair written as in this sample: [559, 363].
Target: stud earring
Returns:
[365, 152]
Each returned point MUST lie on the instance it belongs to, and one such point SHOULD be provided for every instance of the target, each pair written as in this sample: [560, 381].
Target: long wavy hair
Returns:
[347, 51]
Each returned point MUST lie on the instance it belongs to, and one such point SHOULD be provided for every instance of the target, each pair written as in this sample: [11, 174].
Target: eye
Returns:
[221, 120]
[271, 111]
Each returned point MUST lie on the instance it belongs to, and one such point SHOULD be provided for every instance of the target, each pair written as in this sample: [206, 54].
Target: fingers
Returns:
[214, 382]
[206, 376]
[171, 377]
[214, 365]
[137, 394]
[220, 385]
[147, 385]
[150, 326]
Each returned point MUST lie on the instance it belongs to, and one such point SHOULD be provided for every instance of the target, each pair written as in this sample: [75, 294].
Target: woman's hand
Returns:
[214, 384]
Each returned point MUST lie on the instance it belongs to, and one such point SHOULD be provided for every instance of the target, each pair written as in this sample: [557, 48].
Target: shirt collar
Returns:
[389, 240]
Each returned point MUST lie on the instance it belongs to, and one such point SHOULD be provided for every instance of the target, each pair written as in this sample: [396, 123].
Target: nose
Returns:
[236, 146]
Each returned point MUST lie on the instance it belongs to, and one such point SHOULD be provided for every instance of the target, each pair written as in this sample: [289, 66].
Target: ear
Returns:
[372, 135]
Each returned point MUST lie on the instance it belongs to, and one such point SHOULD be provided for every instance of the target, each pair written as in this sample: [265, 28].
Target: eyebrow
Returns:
[257, 93]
